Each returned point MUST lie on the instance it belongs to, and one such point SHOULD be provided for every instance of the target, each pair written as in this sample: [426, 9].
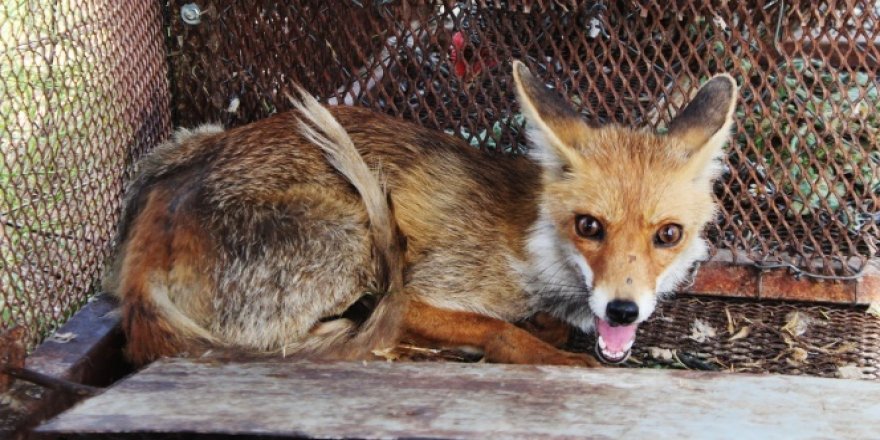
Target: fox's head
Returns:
[622, 209]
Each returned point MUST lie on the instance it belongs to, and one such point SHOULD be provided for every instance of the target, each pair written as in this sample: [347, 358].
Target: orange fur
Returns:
[156, 244]
[327, 232]
[500, 341]
[547, 328]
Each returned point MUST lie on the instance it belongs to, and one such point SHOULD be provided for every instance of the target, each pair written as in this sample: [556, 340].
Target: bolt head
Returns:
[191, 14]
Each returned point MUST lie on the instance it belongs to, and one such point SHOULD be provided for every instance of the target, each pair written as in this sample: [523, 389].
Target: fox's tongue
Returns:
[614, 343]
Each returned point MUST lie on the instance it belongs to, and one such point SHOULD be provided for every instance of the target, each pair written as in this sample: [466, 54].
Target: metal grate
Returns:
[767, 337]
[802, 183]
[83, 93]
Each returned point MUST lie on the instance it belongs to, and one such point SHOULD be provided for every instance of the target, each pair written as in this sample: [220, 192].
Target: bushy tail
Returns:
[381, 330]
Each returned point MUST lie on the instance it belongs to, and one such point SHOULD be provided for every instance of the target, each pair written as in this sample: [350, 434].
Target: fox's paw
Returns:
[573, 359]
[516, 346]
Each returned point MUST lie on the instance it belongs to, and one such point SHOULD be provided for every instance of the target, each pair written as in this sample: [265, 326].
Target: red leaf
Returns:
[458, 40]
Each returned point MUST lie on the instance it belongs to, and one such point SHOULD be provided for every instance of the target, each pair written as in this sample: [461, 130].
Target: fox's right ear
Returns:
[554, 127]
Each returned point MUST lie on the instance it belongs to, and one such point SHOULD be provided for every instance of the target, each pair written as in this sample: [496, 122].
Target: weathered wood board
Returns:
[447, 400]
[84, 350]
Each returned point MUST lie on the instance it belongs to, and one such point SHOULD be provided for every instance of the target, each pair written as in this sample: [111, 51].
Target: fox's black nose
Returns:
[622, 312]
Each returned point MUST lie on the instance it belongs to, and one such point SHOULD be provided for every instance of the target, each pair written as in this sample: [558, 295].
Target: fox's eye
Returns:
[588, 226]
[668, 235]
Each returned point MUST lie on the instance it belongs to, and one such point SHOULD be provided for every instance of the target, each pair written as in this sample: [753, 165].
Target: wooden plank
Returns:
[722, 277]
[449, 400]
[89, 347]
[868, 289]
[726, 276]
[90, 352]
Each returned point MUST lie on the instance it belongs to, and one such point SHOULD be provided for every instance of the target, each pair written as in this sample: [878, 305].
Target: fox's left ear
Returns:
[554, 127]
[704, 125]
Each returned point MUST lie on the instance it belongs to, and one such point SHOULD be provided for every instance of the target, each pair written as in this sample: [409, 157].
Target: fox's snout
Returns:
[622, 306]
[621, 312]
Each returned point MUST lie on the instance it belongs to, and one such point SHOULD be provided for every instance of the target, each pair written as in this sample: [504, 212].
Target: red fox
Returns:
[334, 232]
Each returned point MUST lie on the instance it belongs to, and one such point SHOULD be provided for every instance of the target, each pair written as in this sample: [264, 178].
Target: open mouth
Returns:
[614, 343]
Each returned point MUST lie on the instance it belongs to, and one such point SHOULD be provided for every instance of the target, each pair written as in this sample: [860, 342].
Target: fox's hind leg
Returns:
[291, 267]
[500, 341]
[162, 260]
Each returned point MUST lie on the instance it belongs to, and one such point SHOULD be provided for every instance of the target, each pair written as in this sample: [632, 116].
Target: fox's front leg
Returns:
[548, 328]
[500, 341]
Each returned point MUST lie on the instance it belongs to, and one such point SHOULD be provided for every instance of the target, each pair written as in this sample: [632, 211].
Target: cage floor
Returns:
[692, 332]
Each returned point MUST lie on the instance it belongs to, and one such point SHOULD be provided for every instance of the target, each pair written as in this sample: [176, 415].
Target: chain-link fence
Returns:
[803, 179]
[83, 92]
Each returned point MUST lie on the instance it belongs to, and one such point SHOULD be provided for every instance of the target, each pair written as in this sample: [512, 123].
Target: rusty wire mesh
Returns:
[802, 182]
[83, 92]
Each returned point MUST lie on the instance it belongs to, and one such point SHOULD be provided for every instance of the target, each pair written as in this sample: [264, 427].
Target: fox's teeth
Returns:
[612, 354]
[614, 357]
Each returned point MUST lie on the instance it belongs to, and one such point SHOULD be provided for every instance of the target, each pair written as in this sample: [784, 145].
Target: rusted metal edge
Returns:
[12, 354]
[86, 350]
[50, 382]
[726, 275]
